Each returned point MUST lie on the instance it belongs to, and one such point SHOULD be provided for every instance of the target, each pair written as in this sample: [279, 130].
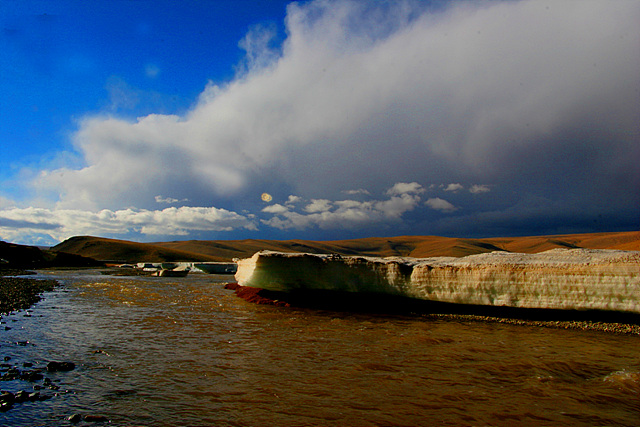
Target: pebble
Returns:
[612, 328]
[31, 376]
[60, 366]
[75, 418]
[12, 373]
[21, 293]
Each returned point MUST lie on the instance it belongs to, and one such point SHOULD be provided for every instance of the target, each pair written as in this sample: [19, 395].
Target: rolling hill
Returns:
[414, 246]
[122, 251]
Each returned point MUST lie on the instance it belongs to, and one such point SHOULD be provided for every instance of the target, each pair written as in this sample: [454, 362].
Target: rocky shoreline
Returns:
[44, 390]
[19, 293]
[609, 322]
[35, 380]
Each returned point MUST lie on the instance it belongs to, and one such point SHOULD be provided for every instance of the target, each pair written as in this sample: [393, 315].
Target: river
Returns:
[185, 351]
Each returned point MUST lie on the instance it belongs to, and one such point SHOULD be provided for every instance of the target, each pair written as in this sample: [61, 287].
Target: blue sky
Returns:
[328, 119]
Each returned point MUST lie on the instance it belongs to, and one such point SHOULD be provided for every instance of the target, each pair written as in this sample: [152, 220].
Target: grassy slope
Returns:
[415, 246]
[125, 251]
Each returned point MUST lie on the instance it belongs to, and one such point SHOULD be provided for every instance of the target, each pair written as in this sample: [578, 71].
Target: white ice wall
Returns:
[560, 278]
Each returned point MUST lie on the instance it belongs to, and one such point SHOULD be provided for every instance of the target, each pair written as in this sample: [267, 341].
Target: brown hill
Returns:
[629, 241]
[123, 251]
[13, 256]
[415, 246]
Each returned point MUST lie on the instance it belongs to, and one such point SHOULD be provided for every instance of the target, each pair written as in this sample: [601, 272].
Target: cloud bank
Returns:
[509, 102]
[63, 223]
[345, 214]
[296, 213]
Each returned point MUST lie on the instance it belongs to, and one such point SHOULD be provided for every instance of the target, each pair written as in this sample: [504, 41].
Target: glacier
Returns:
[566, 279]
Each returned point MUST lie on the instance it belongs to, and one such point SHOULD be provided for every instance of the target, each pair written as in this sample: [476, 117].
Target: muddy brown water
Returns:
[185, 351]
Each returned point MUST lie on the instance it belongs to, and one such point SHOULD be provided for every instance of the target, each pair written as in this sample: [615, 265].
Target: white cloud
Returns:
[405, 188]
[477, 189]
[365, 94]
[169, 200]
[259, 52]
[346, 214]
[356, 192]
[454, 187]
[397, 205]
[318, 205]
[276, 208]
[292, 200]
[439, 204]
[17, 224]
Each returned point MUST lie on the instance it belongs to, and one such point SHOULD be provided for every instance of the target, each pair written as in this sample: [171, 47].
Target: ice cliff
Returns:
[558, 279]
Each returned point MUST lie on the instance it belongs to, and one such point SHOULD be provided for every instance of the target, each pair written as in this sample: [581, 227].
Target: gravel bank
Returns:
[18, 293]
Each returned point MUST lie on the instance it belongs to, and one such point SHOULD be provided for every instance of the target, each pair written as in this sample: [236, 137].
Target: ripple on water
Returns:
[186, 351]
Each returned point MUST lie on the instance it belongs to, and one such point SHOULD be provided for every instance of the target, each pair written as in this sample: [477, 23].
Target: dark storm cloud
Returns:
[534, 105]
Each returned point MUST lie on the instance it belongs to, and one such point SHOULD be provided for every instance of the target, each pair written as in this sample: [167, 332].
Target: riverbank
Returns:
[19, 293]
[610, 322]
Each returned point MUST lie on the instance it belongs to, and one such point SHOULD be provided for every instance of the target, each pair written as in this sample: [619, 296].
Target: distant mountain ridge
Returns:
[413, 246]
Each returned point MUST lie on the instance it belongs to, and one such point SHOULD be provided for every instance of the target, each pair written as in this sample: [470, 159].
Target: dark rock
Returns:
[7, 399]
[75, 418]
[60, 366]
[7, 396]
[31, 376]
[21, 396]
[10, 375]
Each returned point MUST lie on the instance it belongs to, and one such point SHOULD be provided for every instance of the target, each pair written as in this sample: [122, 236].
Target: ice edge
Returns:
[567, 279]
